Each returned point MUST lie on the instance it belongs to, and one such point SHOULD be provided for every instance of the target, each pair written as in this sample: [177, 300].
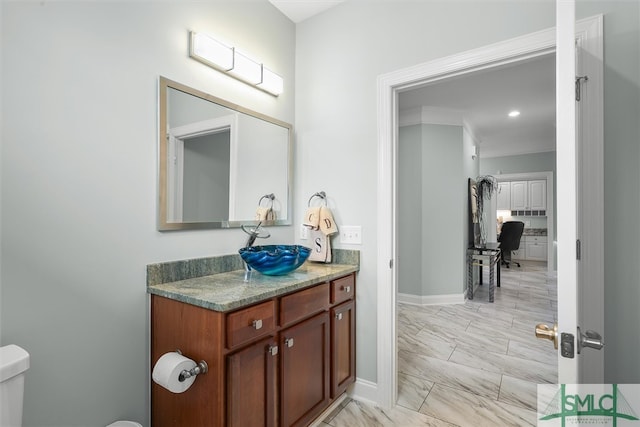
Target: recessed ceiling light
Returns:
[514, 113]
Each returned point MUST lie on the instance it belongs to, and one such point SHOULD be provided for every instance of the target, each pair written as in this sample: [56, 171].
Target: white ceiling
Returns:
[483, 99]
[299, 10]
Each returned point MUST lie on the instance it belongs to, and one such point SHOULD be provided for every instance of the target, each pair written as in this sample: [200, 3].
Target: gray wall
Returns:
[79, 137]
[206, 178]
[430, 215]
[410, 241]
[534, 162]
[340, 54]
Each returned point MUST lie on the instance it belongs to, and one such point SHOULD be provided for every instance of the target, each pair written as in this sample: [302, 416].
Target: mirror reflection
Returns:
[218, 161]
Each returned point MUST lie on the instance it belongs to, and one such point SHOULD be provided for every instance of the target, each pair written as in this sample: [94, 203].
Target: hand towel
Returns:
[327, 224]
[312, 218]
[320, 247]
[262, 213]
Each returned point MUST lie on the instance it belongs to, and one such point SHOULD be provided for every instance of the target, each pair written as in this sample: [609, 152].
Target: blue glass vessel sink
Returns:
[275, 260]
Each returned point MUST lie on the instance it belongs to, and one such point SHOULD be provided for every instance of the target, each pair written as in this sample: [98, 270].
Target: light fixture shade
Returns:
[246, 69]
[227, 59]
[210, 51]
[271, 82]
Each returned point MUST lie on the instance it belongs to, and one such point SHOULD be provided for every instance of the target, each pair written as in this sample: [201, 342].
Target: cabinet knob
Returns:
[288, 342]
[273, 350]
[347, 289]
[257, 324]
[339, 316]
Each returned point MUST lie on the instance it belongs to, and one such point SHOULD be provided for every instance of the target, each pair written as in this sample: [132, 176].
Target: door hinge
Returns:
[390, 263]
[578, 250]
[578, 79]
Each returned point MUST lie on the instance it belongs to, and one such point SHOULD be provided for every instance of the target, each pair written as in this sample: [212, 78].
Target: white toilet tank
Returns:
[14, 361]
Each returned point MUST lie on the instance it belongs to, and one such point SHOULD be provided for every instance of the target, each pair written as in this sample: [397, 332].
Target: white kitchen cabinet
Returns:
[529, 195]
[519, 195]
[535, 248]
[532, 248]
[504, 196]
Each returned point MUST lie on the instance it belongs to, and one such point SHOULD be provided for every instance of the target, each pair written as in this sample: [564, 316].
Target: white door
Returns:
[570, 296]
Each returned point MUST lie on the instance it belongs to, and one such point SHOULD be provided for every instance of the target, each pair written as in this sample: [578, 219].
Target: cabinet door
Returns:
[251, 385]
[519, 196]
[538, 194]
[343, 344]
[304, 375]
[504, 196]
[537, 251]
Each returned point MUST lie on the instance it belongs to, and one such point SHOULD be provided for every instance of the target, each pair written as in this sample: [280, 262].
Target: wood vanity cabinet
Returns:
[280, 362]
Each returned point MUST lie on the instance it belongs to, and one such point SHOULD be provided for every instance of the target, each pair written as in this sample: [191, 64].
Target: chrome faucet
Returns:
[254, 233]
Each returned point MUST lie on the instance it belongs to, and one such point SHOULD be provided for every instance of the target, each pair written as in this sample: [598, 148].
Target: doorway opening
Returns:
[389, 87]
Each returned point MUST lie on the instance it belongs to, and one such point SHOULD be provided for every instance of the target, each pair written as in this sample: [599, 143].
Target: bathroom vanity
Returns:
[279, 349]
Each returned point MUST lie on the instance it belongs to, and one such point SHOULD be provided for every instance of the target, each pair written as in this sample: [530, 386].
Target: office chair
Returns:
[510, 240]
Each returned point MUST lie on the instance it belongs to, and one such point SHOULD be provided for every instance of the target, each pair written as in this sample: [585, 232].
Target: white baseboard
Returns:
[364, 391]
[431, 299]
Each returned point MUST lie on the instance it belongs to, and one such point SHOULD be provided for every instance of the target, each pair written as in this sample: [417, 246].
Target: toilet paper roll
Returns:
[166, 372]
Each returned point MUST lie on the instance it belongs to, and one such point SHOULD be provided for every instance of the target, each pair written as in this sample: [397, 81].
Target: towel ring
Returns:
[268, 197]
[321, 194]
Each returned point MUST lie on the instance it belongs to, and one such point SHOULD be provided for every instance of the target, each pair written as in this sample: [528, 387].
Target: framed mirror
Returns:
[220, 165]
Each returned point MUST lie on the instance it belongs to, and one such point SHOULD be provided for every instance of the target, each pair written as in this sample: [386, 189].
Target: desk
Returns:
[486, 256]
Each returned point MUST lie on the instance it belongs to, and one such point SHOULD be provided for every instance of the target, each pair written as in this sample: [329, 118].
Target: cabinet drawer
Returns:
[536, 239]
[250, 323]
[304, 303]
[343, 289]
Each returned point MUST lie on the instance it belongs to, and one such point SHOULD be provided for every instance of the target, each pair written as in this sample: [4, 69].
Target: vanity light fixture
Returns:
[227, 59]
[514, 113]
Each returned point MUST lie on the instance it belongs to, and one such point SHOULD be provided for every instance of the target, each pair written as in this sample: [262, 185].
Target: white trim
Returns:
[519, 153]
[364, 391]
[431, 299]
[591, 231]
[566, 176]
[548, 176]
[389, 85]
[206, 127]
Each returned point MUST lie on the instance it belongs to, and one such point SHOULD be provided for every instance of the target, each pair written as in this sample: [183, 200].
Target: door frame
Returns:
[588, 31]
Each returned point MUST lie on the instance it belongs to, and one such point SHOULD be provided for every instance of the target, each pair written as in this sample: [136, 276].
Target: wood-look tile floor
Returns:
[473, 364]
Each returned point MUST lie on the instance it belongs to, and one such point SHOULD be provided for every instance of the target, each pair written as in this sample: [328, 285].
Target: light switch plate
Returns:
[351, 234]
[304, 232]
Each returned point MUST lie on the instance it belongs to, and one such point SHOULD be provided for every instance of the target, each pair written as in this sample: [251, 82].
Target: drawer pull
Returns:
[288, 342]
[347, 289]
[273, 350]
[339, 316]
[257, 324]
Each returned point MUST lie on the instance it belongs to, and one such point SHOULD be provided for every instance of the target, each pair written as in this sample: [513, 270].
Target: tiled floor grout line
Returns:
[525, 293]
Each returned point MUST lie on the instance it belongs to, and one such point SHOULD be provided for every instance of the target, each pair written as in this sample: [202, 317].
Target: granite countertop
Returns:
[534, 232]
[229, 291]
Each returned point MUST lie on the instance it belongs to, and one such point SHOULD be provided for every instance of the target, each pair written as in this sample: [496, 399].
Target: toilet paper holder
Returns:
[200, 368]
